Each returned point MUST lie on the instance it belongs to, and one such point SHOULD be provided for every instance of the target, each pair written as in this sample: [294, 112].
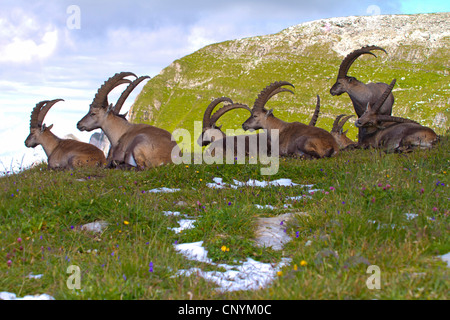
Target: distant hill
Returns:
[308, 55]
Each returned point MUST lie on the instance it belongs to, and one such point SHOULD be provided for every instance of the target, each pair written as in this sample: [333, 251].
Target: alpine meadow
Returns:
[362, 223]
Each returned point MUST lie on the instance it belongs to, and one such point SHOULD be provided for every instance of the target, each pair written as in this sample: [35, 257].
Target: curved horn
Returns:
[384, 96]
[316, 113]
[127, 92]
[338, 125]
[351, 57]
[207, 115]
[40, 111]
[385, 118]
[227, 108]
[100, 98]
[34, 121]
[269, 92]
[277, 91]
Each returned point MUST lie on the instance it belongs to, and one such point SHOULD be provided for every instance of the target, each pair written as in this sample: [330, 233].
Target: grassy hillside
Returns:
[371, 208]
[309, 55]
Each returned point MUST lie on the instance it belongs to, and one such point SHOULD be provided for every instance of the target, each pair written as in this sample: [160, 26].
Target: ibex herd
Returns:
[145, 146]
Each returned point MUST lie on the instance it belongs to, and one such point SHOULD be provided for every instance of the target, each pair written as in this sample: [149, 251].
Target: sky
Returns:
[66, 49]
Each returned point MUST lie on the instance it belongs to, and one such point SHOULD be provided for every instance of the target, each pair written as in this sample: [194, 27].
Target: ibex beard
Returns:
[235, 149]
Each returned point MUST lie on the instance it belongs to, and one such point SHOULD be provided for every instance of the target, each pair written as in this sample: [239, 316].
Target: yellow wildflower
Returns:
[303, 263]
[279, 273]
[126, 222]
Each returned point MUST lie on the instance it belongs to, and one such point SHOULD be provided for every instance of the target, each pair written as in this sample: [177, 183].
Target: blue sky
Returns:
[50, 49]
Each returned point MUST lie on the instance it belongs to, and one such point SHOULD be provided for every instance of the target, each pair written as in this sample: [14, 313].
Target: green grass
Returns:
[358, 219]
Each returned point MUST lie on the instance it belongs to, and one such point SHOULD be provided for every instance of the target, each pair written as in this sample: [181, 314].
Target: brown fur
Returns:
[295, 138]
[399, 137]
[139, 145]
[65, 153]
[393, 133]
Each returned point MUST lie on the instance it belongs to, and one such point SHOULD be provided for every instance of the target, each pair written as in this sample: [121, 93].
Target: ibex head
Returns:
[260, 114]
[338, 132]
[343, 81]
[100, 108]
[371, 118]
[210, 130]
[37, 127]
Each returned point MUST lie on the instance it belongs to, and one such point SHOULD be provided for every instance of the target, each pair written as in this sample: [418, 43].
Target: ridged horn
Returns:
[351, 57]
[386, 118]
[40, 111]
[270, 91]
[101, 97]
[127, 92]
[207, 115]
[338, 124]
[315, 116]
[383, 97]
[227, 108]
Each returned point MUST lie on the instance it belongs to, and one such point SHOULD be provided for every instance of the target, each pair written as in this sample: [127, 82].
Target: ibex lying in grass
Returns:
[360, 93]
[393, 133]
[61, 153]
[337, 131]
[137, 145]
[295, 138]
[211, 130]
[211, 133]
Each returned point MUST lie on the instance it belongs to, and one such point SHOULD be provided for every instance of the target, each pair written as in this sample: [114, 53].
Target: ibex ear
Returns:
[110, 108]
[269, 113]
[45, 127]
[345, 133]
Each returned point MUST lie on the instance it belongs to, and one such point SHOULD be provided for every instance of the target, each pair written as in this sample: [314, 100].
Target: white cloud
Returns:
[24, 39]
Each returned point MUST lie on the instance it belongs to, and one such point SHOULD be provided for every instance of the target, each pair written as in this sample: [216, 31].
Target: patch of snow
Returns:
[249, 275]
[163, 190]
[446, 258]
[194, 251]
[171, 213]
[12, 296]
[184, 225]
[219, 184]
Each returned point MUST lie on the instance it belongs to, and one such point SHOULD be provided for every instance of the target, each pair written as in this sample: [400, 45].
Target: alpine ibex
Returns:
[393, 133]
[136, 145]
[61, 153]
[211, 130]
[360, 93]
[295, 138]
[337, 130]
